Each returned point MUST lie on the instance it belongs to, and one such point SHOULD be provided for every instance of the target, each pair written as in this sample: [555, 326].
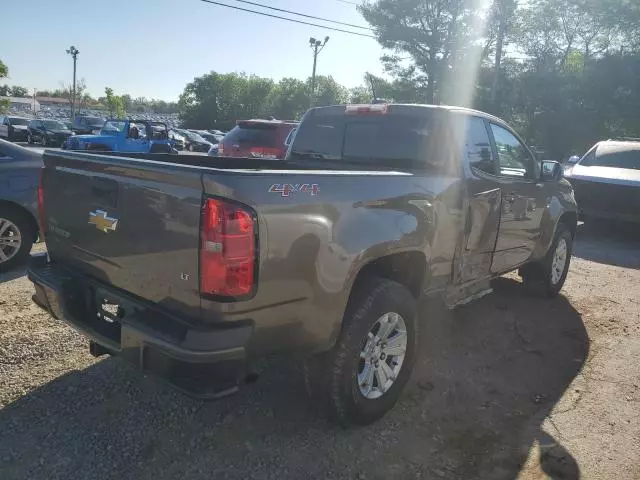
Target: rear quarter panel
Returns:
[312, 247]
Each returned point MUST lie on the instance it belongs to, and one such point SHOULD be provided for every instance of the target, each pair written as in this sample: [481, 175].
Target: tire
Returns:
[332, 378]
[19, 223]
[43, 140]
[547, 277]
[29, 139]
[190, 147]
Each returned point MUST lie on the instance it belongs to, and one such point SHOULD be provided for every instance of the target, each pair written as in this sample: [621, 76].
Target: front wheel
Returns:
[548, 276]
[361, 378]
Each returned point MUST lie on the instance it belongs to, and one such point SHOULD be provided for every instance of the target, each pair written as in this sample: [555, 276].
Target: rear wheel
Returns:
[16, 238]
[29, 139]
[362, 377]
[548, 276]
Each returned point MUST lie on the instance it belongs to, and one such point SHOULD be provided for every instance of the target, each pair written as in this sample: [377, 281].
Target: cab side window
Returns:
[479, 146]
[514, 159]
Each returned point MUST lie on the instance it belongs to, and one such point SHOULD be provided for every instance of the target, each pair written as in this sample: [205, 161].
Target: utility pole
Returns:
[73, 51]
[317, 47]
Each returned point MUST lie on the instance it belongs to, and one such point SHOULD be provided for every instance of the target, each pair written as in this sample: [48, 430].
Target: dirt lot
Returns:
[508, 387]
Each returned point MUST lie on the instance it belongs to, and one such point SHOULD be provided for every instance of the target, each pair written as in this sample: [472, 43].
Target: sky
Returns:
[153, 48]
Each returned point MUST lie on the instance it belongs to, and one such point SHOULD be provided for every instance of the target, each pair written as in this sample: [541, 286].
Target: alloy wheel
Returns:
[10, 240]
[559, 261]
[382, 355]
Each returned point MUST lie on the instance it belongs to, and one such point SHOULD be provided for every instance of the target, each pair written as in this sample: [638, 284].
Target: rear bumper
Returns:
[202, 361]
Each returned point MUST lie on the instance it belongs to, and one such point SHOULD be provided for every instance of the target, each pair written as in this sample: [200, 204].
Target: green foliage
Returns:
[17, 91]
[568, 76]
[288, 99]
[4, 70]
[115, 104]
[218, 100]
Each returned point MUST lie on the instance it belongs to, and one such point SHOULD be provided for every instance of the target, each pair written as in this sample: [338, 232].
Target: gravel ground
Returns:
[509, 387]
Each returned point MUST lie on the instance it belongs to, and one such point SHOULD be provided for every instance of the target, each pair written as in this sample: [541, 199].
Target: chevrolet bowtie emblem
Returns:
[102, 222]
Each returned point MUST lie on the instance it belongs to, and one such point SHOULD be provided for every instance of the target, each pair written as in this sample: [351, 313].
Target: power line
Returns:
[303, 14]
[347, 1]
[287, 19]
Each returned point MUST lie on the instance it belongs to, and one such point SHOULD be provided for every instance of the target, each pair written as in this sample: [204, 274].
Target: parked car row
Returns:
[13, 129]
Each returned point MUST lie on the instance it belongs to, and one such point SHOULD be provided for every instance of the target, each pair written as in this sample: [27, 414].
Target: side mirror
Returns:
[551, 171]
[573, 160]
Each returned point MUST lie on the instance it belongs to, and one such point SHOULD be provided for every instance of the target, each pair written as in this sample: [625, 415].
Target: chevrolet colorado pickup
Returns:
[193, 269]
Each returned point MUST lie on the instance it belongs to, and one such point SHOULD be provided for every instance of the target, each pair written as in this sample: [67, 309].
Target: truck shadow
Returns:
[7, 276]
[488, 376]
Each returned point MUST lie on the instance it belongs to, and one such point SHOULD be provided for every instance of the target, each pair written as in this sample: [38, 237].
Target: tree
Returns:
[435, 35]
[328, 91]
[114, 103]
[503, 15]
[18, 91]
[288, 99]
[4, 72]
[217, 100]
[67, 92]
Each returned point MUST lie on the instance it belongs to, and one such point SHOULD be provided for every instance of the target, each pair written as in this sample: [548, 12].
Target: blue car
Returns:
[132, 136]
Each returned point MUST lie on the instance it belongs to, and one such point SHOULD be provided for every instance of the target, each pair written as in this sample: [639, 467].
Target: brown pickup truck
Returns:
[193, 269]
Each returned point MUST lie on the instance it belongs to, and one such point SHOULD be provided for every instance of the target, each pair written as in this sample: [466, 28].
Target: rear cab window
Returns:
[411, 137]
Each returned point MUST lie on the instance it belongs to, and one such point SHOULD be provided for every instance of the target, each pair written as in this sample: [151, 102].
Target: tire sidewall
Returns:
[386, 297]
[19, 220]
[554, 289]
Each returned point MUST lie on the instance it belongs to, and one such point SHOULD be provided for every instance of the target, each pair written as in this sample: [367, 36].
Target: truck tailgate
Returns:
[129, 224]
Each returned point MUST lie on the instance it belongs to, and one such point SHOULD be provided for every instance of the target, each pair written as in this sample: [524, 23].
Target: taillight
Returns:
[220, 149]
[41, 216]
[227, 249]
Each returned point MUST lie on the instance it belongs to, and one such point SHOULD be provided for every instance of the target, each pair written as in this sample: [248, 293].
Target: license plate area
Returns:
[107, 315]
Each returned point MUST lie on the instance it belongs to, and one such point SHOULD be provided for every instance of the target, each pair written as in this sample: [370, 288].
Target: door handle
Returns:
[510, 197]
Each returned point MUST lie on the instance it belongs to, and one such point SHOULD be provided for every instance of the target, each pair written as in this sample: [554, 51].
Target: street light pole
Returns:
[73, 51]
[317, 47]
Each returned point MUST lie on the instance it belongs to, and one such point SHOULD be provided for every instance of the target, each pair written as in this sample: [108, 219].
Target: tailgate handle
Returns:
[104, 192]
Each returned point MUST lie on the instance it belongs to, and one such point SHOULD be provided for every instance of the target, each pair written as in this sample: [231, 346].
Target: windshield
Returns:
[253, 135]
[383, 139]
[17, 121]
[54, 125]
[628, 159]
[194, 136]
[113, 127]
